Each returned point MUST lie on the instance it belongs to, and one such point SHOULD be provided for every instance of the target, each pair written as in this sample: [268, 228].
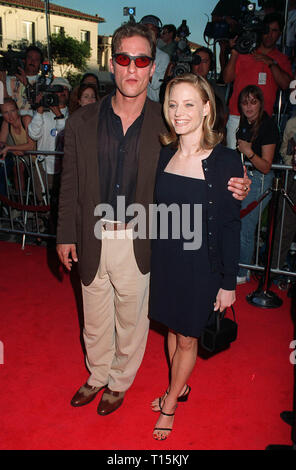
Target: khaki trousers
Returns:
[116, 314]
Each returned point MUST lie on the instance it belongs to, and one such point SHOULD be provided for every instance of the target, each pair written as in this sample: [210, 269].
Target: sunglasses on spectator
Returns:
[141, 61]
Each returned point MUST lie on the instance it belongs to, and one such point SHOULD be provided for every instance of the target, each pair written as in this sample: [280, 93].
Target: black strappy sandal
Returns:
[181, 399]
[164, 429]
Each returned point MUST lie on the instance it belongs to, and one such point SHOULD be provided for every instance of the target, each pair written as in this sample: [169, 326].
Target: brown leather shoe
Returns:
[85, 395]
[110, 401]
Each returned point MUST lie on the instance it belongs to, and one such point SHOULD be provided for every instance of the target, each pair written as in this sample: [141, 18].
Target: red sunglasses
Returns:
[141, 61]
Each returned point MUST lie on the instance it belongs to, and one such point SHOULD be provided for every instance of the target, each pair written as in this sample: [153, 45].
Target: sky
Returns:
[196, 12]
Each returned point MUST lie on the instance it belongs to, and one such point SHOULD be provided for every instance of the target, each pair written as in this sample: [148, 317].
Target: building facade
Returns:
[24, 22]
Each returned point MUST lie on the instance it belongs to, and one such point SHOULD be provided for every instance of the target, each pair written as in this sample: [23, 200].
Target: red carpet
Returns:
[236, 397]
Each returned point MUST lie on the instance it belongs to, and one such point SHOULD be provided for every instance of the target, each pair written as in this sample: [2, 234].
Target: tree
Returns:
[67, 52]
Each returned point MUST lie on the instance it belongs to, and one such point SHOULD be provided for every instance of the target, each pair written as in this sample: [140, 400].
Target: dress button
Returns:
[206, 169]
[210, 202]
[210, 185]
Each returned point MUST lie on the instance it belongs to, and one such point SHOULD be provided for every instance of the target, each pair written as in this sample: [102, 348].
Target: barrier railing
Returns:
[285, 171]
[26, 195]
[27, 205]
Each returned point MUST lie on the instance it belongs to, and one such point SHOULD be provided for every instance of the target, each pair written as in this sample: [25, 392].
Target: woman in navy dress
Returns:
[195, 259]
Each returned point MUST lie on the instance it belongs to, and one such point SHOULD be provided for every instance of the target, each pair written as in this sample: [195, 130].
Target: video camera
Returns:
[250, 32]
[249, 29]
[41, 86]
[12, 61]
[182, 58]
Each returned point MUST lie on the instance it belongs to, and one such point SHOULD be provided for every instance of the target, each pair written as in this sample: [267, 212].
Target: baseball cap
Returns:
[151, 19]
[62, 81]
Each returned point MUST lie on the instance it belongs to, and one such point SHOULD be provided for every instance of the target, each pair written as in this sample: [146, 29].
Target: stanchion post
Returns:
[263, 297]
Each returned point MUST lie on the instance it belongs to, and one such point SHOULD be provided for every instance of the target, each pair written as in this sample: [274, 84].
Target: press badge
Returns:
[53, 132]
[261, 78]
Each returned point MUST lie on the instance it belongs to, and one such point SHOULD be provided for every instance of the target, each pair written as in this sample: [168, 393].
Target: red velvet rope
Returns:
[249, 208]
[23, 207]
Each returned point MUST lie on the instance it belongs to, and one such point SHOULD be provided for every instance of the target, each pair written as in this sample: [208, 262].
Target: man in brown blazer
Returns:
[111, 150]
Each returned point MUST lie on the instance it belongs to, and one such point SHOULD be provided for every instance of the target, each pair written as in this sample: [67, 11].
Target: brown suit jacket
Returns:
[80, 189]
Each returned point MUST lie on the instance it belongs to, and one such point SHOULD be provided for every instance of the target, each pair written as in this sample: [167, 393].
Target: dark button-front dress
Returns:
[183, 288]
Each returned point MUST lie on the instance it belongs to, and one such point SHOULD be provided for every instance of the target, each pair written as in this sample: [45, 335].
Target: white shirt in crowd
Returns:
[162, 60]
[44, 128]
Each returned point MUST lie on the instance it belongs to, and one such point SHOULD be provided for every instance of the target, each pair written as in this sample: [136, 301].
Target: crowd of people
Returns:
[111, 148]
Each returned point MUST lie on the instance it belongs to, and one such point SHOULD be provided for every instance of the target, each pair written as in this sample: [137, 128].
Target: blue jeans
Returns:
[249, 222]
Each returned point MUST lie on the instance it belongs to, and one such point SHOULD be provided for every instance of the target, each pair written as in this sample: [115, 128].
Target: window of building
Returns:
[85, 36]
[28, 31]
[59, 30]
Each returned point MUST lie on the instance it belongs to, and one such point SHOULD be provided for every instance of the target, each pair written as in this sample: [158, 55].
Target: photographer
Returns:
[162, 59]
[15, 86]
[166, 41]
[44, 128]
[266, 67]
[228, 12]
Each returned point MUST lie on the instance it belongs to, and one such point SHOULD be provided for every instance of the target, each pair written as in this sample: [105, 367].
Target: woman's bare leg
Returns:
[183, 363]
[172, 345]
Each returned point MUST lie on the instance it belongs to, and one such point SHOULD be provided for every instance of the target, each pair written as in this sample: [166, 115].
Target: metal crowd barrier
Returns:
[284, 170]
[25, 199]
[27, 211]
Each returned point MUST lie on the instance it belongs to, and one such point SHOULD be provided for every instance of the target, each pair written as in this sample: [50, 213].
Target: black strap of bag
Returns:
[221, 315]
[220, 333]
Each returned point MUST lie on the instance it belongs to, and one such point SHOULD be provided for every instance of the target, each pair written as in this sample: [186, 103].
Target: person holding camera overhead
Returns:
[15, 85]
[265, 67]
[226, 14]
[44, 127]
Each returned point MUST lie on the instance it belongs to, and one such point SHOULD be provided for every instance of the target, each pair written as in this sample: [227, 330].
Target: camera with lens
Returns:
[249, 29]
[182, 58]
[11, 61]
[48, 92]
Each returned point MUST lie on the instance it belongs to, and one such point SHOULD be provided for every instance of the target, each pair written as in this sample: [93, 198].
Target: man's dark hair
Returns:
[35, 49]
[90, 74]
[275, 17]
[130, 30]
[208, 51]
[170, 29]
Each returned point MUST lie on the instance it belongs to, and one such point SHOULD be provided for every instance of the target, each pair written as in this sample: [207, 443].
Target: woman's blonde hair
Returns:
[210, 137]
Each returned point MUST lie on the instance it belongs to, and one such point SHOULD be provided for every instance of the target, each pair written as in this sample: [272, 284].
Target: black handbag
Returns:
[218, 334]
